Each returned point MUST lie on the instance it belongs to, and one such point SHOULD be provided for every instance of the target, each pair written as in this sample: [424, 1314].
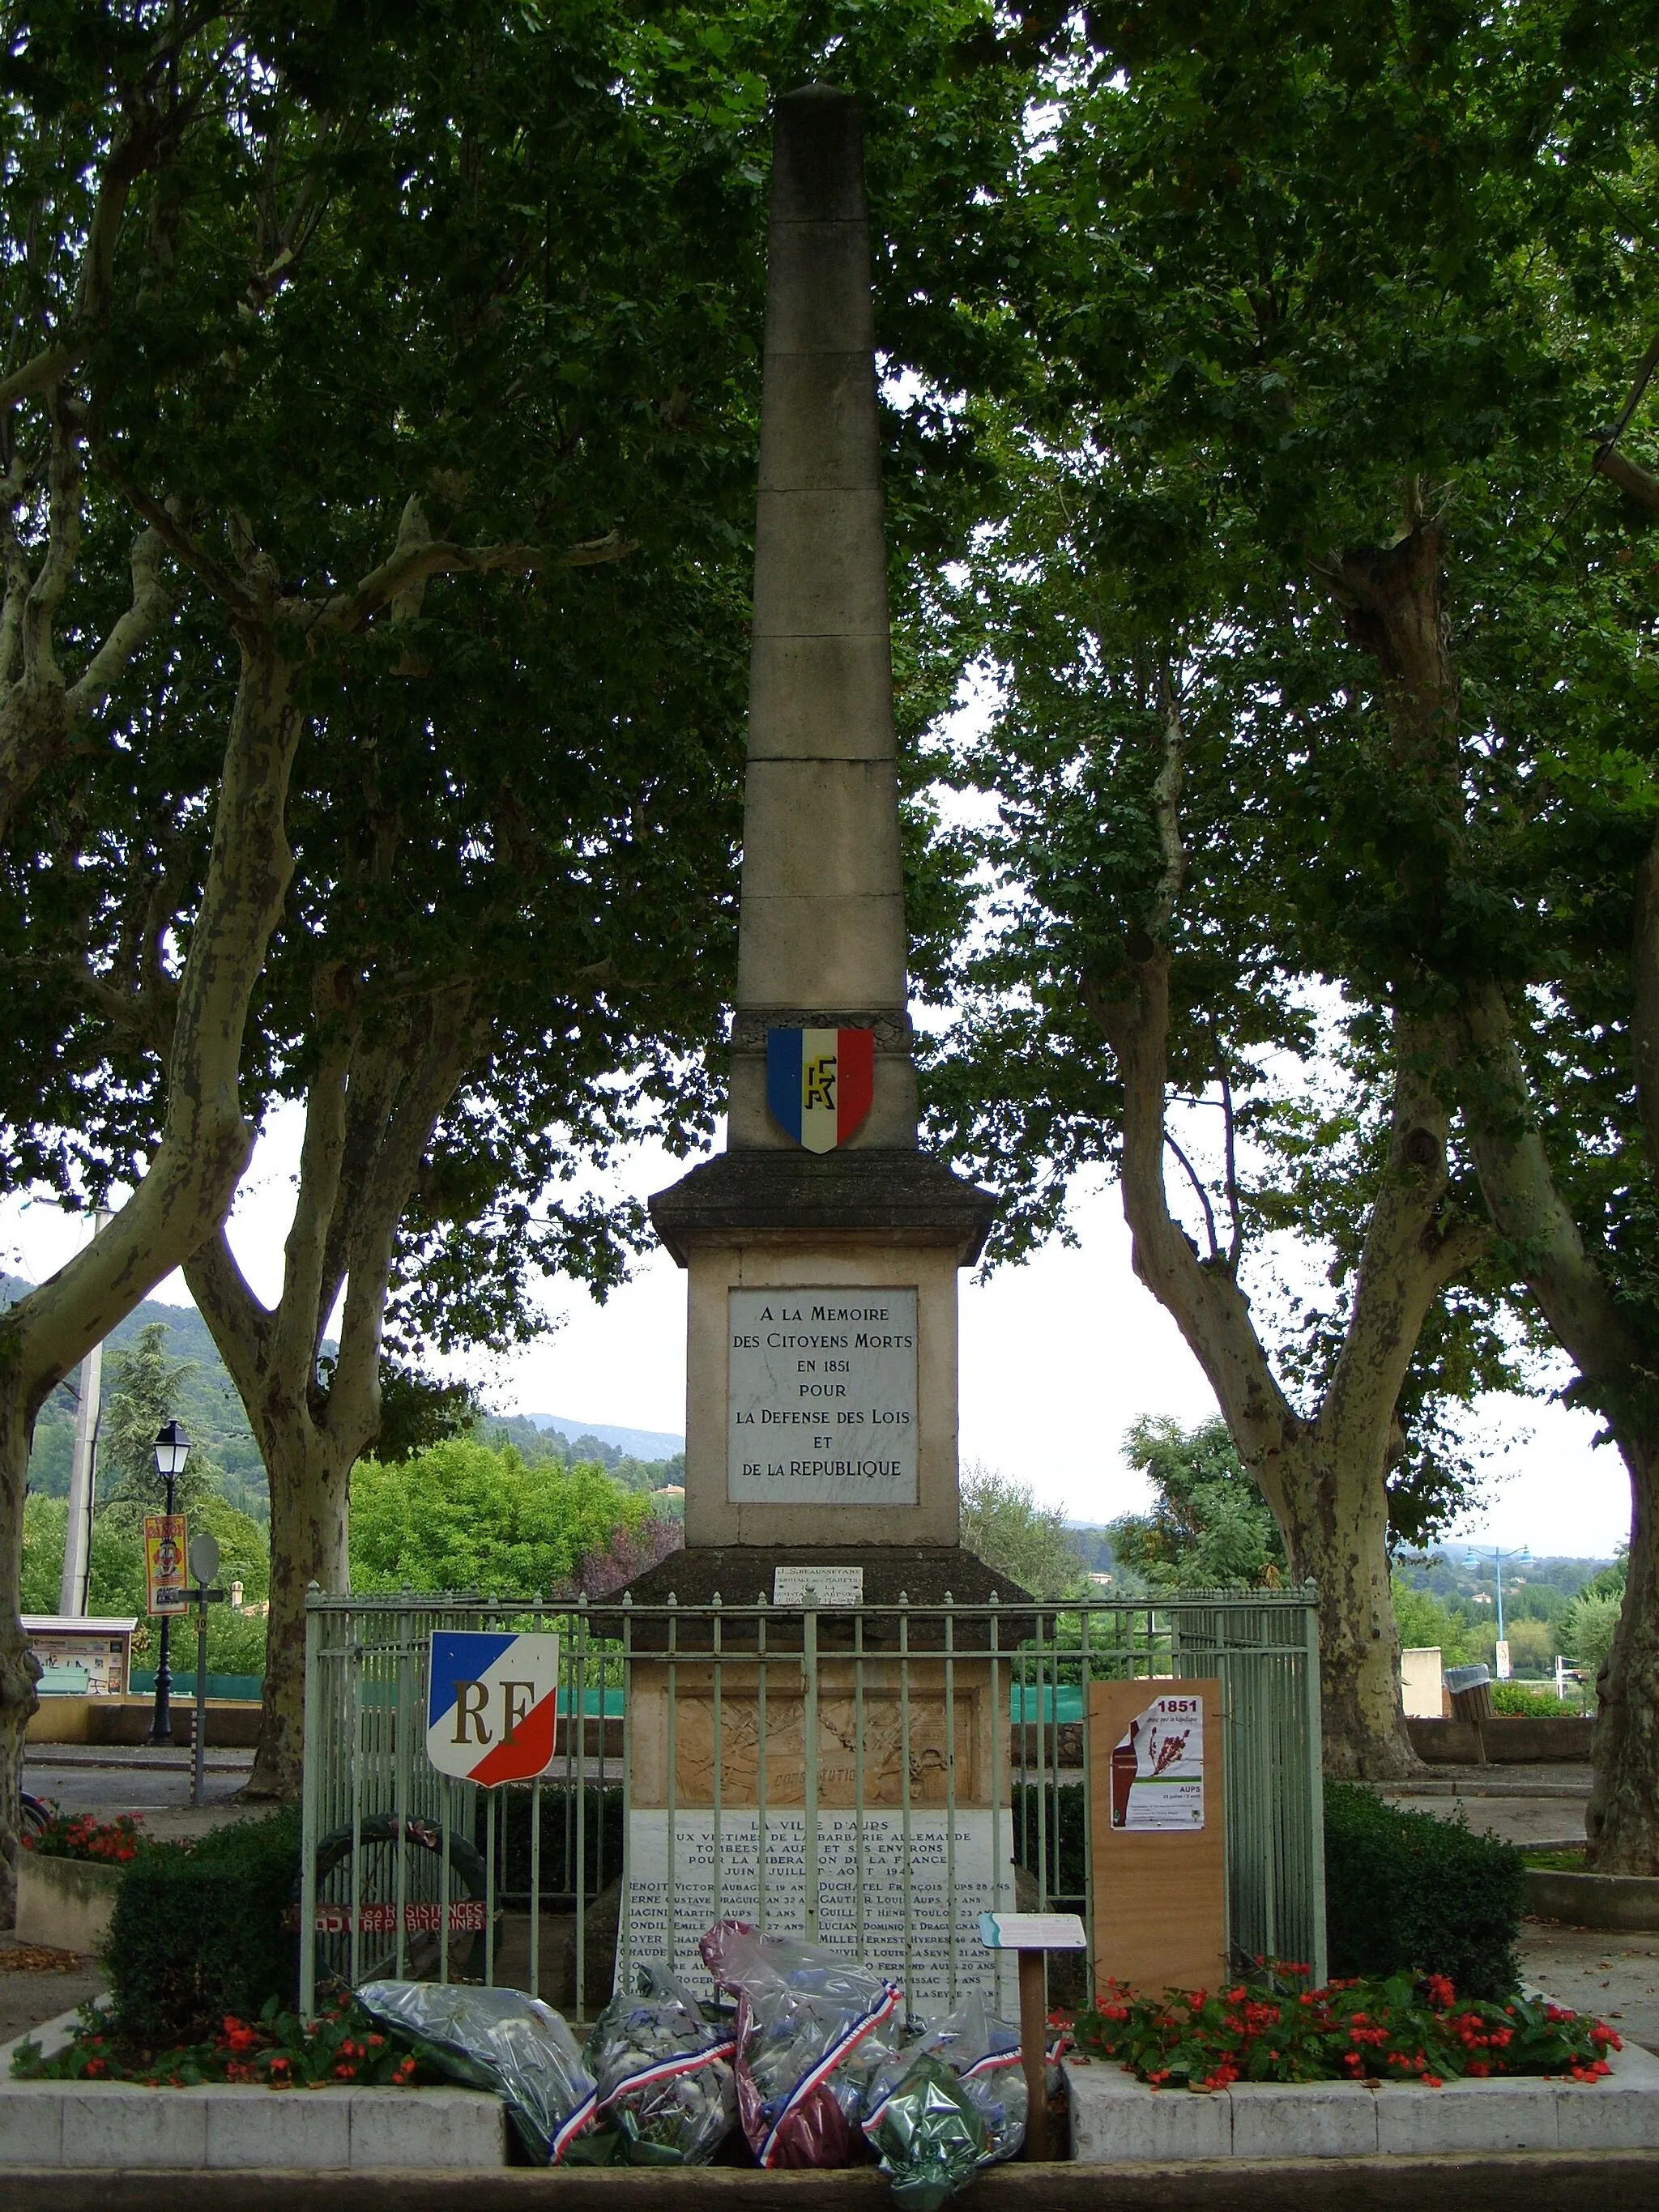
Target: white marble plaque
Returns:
[821, 1397]
[948, 1891]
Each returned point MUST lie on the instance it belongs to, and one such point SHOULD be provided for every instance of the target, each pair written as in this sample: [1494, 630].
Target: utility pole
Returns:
[77, 1534]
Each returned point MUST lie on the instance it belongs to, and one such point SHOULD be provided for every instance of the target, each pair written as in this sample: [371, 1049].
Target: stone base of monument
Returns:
[919, 1574]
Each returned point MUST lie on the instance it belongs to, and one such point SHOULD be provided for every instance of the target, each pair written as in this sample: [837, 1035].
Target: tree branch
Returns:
[150, 607]
[1405, 1260]
[1645, 998]
[49, 367]
[1521, 1194]
[1132, 1012]
[1230, 1142]
[1631, 478]
[415, 562]
[180, 542]
[1203, 1195]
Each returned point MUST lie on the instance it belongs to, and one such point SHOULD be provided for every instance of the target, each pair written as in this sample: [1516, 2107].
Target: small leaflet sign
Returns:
[491, 1704]
[166, 1539]
[1157, 1767]
[1032, 1931]
[823, 1586]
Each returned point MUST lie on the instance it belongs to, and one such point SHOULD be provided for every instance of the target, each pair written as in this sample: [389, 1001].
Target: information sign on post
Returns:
[167, 1538]
[491, 1704]
[1155, 1832]
[1032, 1934]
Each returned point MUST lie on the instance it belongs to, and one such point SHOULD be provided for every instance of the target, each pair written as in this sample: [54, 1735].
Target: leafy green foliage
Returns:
[1424, 1622]
[1406, 1892]
[236, 1642]
[1003, 1524]
[1587, 1631]
[460, 1517]
[1210, 1528]
[141, 1394]
[202, 1928]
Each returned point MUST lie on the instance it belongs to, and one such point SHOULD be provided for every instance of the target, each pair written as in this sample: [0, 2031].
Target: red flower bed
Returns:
[1278, 2029]
[275, 2050]
[78, 1836]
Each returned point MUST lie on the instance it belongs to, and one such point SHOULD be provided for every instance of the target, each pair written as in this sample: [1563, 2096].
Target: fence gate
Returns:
[871, 1777]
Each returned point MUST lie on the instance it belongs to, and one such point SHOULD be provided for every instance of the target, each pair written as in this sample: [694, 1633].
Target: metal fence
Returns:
[871, 1777]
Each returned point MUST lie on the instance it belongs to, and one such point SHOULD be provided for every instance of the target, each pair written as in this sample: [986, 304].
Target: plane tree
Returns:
[1320, 309]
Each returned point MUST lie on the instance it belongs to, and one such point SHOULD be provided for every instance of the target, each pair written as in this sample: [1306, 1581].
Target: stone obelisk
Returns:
[822, 1245]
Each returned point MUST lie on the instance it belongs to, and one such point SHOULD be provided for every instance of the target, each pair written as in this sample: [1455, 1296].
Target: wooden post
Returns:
[1030, 1934]
[1034, 2052]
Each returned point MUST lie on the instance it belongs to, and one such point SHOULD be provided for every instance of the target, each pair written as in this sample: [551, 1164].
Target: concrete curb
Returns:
[109, 2127]
[1117, 2120]
[1595, 1900]
[1546, 2181]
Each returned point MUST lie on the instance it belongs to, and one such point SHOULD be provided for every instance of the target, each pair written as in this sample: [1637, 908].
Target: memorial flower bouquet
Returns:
[1276, 2029]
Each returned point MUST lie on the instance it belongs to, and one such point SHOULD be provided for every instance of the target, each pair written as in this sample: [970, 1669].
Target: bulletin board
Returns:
[1157, 1833]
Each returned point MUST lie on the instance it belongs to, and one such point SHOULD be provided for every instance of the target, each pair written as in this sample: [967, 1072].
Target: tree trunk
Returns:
[310, 1488]
[1622, 1823]
[370, 1112]
[1324, 1478]
[1334, 1517]
[187, 1190]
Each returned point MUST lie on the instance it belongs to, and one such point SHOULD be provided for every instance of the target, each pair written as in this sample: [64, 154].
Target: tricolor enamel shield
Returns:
[491, 1704]
[819, 1083]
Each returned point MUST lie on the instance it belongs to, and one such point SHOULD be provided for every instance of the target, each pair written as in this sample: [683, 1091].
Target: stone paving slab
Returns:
[1116, 2118]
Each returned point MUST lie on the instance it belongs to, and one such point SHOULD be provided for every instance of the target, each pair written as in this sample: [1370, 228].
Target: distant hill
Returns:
[211, 1411]
[638, 1444]
[209, 1407]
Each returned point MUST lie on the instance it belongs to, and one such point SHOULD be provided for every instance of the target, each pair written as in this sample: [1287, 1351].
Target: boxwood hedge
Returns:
[1407, 1890]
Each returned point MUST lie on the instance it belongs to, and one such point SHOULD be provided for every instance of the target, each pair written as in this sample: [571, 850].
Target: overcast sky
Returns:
[1057, 1358]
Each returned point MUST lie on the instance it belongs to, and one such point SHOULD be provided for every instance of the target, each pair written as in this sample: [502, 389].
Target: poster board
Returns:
[1156, 1823]
[167, 1541]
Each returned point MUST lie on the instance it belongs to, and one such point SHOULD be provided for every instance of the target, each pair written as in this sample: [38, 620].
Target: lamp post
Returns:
[172, 1451]
[1472, 1558]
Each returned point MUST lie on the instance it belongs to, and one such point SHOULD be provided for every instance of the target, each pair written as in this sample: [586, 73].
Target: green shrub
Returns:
[1404, 1891]
[205, 1929]
[1537, 1701]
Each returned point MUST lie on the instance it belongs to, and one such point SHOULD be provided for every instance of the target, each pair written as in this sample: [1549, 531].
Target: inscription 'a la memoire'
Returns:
[832, 1374]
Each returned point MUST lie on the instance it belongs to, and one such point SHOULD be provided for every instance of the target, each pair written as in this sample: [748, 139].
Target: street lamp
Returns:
[172, 1451]
[1473, 1558]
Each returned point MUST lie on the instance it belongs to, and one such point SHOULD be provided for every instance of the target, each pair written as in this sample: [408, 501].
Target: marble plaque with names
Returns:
[862, 1908]
[821, 1397]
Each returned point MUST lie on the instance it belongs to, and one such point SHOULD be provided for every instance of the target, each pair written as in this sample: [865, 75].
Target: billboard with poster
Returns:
[166, 1539]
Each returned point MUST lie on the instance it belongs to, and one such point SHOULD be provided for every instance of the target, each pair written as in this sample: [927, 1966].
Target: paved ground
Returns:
[156, 1783]
[1614, 1976]
[1530, 1805]
[36, 1984]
